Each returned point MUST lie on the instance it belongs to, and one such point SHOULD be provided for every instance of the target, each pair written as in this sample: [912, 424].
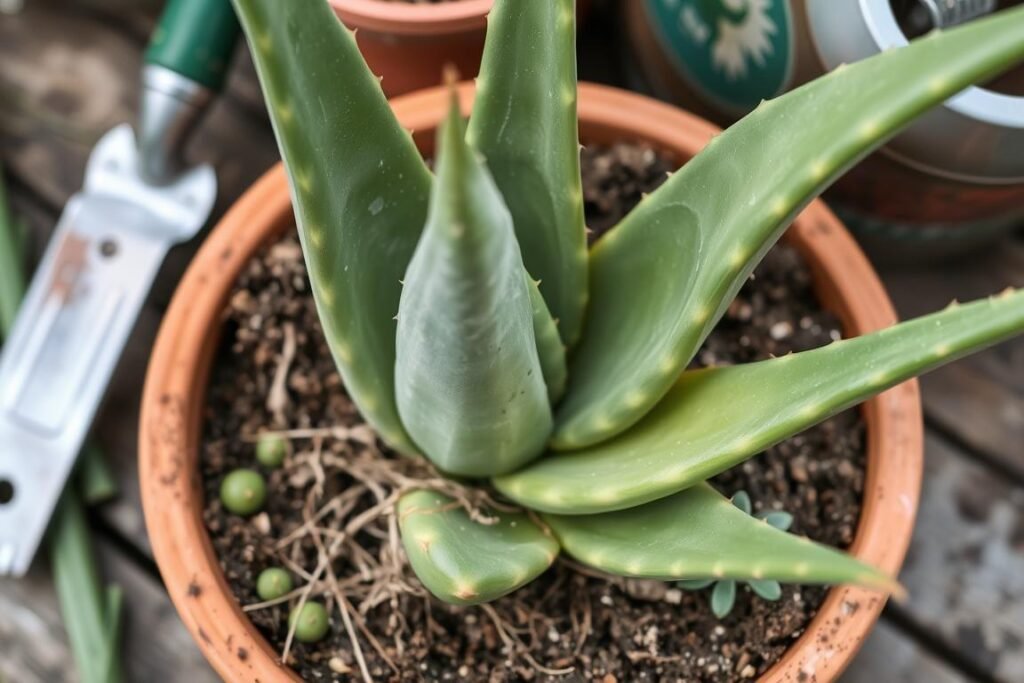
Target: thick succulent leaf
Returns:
[742, 500]
[466, 562]
[699, 534]
[359, 186]
[524, 123]
[663, 277]
[696, 584]
[766, 590]
[715, 418]
[549, 345]
[723, 597]
[468, 379]
[778, 519]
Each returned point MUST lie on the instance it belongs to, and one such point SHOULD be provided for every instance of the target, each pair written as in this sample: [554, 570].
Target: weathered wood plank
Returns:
[965, 569]
[65, 82]
[69, 77]
[979, 400]
[34, 649]
[890, 656]
[137, 18]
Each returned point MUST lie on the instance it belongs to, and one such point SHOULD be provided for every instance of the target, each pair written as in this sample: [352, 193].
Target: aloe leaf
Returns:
[466, 562]
[524, 123]
[468, 379]
[723, 597]
[359, 186]
[699, 534]
[715, 418]
[662, 278]
[550, 348]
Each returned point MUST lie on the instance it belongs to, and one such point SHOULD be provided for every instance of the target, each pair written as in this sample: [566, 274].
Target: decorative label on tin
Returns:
[733, 52]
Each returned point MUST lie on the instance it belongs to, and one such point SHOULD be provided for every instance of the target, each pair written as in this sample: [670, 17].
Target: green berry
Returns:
[271, 450]
[243, 492]
[311, 622]
[273, 583]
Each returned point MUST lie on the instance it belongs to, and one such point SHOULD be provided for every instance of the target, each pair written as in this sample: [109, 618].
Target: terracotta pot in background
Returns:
[410, 43]
[176, 384]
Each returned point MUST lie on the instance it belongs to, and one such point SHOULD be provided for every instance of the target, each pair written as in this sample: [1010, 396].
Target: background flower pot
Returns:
[179, 370]
[409, 44]
[953, 180]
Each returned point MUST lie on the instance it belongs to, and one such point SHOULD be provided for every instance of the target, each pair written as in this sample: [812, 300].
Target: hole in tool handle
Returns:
[6, 490]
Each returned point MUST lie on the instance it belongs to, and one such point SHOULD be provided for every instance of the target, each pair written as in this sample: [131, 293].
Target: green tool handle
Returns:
[196, 38]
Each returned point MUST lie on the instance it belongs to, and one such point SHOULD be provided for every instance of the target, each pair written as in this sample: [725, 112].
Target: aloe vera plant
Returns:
[473, 327]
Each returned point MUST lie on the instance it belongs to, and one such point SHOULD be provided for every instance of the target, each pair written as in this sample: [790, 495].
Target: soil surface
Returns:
[274, 372]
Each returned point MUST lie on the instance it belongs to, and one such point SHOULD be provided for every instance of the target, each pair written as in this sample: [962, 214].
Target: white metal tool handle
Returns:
[73, 325]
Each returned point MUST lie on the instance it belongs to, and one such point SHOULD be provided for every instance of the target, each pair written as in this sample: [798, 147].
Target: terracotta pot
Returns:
[176, 384]
[409, 44]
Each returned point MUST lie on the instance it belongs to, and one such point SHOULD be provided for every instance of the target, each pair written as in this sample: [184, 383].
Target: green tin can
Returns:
[953, 179]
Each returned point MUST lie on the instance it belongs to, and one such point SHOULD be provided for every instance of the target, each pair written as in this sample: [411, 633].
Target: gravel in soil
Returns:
[274, 372]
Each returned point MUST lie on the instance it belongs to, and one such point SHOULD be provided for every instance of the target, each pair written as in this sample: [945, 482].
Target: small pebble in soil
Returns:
[310, 622]
[273, 582]
[243, 492]
[271, 450]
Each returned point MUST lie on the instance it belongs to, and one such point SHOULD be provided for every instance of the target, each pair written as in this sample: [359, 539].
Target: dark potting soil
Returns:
[274, 372]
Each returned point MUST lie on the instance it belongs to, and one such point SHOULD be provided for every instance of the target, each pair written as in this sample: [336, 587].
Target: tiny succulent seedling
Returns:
[243, 492]
[271, 450]
[310, 622]
[449, 299]
[273, 583]
[723, 593]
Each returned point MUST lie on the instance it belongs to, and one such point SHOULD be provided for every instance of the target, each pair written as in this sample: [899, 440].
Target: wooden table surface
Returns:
[68, 72]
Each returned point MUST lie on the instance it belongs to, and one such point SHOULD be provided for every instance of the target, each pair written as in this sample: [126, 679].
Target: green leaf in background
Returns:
[12, 272]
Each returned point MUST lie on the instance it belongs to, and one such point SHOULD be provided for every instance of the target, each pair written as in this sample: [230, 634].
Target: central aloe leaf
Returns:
[468, 379]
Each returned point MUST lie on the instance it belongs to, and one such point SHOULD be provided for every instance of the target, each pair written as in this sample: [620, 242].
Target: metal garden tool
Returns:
[138, 200]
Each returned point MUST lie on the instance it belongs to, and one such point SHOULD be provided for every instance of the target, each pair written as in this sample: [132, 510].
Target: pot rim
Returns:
[174, 398]
[405, 18]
